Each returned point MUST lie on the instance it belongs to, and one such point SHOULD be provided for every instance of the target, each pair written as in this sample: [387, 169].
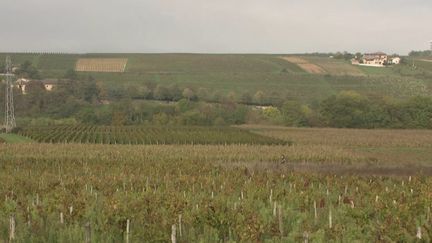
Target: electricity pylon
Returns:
[9, 103]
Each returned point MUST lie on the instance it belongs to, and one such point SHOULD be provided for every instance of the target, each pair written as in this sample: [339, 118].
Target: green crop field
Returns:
[306, 191]
[14, 138]
[243, 73]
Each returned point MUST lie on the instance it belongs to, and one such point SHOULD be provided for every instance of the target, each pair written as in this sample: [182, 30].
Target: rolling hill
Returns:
[275, 75]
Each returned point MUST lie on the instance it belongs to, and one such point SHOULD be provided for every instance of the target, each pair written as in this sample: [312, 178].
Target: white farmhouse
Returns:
[377, 59]
[49, 84]
[23, 83]
[396, 60]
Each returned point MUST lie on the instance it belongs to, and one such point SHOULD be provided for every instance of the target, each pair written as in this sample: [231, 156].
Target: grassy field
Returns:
[331, 185]
[14, 138]
[227, 73]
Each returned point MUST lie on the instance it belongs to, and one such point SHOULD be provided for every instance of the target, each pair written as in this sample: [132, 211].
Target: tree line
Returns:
[81, 99]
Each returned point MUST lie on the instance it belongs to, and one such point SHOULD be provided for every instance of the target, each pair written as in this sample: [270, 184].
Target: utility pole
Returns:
[9, 102]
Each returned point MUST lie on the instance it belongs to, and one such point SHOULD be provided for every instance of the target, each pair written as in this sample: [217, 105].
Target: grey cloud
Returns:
[238, 26]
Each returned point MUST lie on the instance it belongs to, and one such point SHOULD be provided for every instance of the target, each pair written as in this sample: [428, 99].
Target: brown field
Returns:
[114, 65]
[305, 65]
[375, 151]
[296, 60]
[323, 65]
[336, 67]
[311, 68]
[348, 137]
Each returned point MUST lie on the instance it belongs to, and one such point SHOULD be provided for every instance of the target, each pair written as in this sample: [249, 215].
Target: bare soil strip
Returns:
[305, 65]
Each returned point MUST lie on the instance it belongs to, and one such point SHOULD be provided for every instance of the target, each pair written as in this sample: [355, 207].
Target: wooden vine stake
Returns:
[180, 225]
[173, 234]
[315, 211]
[87, 232]
[271, 196]
[127, 230]
[306, 237]
[61, 218]
[12, 228]
[330, 219]
[428, 214]
[419, 233]
[281, 231]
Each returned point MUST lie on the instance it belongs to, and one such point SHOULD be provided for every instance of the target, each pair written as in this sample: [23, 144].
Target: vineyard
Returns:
[271, 74]
[144, 135]
[201, 193]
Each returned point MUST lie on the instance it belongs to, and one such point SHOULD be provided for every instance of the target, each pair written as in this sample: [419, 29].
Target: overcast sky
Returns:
[215, 26]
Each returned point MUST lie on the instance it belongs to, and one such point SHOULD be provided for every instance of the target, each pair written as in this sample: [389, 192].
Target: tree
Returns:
[88, 90]
[259, 97]
[188, 94]
[416, 112]
[202, 94]
[35, 95]
[246, 98]
[160, 119]
[174, 92]
[27, 70]
[183, 105]
[231, 97]
[350, 109]
[161, 93]
[292, 114]
[272, 114]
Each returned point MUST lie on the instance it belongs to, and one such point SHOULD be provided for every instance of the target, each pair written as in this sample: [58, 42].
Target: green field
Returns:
[14, 138]
[242, 73]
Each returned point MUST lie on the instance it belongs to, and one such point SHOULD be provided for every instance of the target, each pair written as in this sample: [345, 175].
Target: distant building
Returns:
[23, 83]
[376, 59]
[396, 60]
[49, 84]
